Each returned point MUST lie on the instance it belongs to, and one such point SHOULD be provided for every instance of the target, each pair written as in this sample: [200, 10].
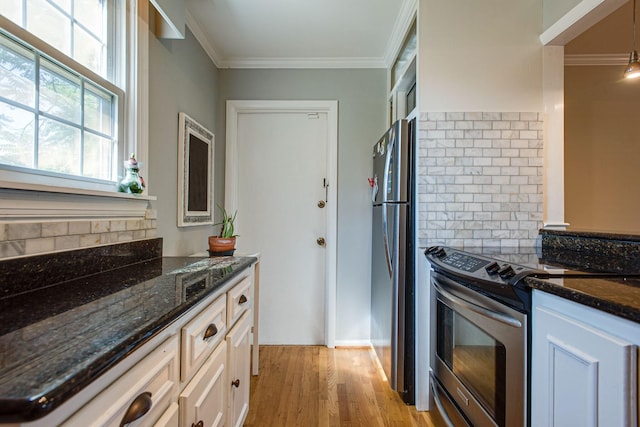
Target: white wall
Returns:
[480, 56]
[361, 120]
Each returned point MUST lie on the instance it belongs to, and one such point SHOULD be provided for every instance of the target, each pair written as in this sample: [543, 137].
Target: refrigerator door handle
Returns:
[386, 177]
[385, 239]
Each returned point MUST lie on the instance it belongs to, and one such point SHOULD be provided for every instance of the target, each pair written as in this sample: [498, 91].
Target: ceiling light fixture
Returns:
[633, 69]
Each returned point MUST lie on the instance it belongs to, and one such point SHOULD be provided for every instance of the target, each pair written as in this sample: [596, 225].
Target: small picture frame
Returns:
[195, 172]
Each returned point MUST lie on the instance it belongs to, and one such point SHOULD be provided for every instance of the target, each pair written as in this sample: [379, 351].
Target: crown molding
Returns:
[596, 59]
[330, 62]
[207, 45]
[404, 19]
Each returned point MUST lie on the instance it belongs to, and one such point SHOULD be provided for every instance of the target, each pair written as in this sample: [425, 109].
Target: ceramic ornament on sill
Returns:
[132, 182]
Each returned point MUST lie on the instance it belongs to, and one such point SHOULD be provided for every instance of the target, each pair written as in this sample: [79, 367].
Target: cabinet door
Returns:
[239, 361]
[204, 399]
[142, 395]
[581, 375]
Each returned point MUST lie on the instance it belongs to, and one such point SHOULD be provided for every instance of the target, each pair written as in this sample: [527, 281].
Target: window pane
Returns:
[59, 92]
[58, 147]
[16, 136]
[98, 108]
[46, 22]
[12, 10]
[63, 4]
[98, 156]
[17, 73]
[88, 51]
[90, 14]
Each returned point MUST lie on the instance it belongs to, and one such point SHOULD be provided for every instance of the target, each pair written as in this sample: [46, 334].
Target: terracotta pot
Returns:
[221, 244]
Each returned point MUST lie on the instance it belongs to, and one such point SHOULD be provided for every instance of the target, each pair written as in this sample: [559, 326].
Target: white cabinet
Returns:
[140, 397]
[239, 354]
[204, 400]
[195, 373]
[584, 367]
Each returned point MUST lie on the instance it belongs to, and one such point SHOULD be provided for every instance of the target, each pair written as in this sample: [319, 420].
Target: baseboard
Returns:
[353, 343]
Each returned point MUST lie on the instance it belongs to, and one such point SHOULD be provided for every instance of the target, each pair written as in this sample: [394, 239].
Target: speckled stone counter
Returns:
[58, 338]
[619, 296]
[592, 251]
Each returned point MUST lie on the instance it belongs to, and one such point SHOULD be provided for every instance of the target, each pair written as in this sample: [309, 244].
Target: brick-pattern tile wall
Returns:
[30, 238]
[480, 178]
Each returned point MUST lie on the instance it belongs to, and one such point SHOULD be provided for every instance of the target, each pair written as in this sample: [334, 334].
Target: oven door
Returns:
[480, 355]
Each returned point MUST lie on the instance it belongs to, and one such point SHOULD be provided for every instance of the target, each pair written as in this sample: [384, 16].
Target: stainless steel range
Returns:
[479, 375]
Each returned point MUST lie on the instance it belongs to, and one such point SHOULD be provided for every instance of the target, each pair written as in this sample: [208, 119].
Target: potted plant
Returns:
[225, 242]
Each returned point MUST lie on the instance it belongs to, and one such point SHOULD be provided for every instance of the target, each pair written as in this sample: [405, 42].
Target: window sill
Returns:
[22, 201]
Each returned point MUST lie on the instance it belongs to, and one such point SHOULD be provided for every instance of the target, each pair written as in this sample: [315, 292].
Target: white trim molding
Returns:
[403, 22]
[617, 59]
[583, 16]
[234, 108]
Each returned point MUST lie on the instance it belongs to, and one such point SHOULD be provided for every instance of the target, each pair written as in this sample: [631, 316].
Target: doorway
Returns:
[281, 176]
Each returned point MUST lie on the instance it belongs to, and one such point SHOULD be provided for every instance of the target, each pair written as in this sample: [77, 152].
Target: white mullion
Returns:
[36, 123]
[82, 127]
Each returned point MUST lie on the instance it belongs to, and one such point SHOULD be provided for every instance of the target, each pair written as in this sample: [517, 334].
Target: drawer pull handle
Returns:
[211, 331]
[199, 424]
[242, 299]
[138, 408]
[236, 383]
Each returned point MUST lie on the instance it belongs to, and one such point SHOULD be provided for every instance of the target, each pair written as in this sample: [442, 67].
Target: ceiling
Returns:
[300, 33]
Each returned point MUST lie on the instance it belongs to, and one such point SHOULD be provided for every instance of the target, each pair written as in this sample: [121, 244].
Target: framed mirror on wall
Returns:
[195, 172]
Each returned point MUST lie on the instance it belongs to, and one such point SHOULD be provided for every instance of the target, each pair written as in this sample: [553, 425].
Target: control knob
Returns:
[492, 268]
[507, 272]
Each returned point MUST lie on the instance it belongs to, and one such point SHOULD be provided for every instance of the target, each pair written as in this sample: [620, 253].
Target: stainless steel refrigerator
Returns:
[392, 263]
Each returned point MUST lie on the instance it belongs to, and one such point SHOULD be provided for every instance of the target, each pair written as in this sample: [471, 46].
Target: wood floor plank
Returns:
[308, 386]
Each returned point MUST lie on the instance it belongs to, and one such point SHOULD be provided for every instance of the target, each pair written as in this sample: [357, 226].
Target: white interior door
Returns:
[282, 165]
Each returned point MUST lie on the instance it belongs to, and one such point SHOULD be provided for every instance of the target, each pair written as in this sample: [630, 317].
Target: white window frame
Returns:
[26, 195]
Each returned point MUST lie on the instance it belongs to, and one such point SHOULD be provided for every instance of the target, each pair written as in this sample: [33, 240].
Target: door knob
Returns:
[321, 204]
[320, 241]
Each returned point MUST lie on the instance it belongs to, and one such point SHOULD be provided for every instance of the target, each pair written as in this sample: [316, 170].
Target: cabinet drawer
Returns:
[238, 300]
[205, 398]
[152, 383]
[201, 335]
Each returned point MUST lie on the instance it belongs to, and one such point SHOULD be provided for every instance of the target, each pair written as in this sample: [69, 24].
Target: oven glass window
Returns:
[475, 357]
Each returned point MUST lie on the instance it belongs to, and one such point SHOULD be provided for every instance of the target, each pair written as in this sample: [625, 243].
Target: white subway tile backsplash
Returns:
[35, 246]
[17, 231]
[51, 229]
[30, 238]
[485, 186]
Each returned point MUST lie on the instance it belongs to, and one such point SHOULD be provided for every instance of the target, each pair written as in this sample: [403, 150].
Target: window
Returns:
[60, 107]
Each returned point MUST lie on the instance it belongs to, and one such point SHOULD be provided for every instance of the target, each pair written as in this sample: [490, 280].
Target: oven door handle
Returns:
[500, 317]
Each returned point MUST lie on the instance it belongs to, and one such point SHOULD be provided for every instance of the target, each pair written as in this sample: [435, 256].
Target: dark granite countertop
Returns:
[619, 296]
[55, 340]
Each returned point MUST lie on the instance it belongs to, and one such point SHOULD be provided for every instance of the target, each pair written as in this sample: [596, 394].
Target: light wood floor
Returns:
[317, 386]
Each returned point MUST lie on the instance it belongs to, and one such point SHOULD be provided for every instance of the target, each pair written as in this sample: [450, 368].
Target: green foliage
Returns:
[227, 223]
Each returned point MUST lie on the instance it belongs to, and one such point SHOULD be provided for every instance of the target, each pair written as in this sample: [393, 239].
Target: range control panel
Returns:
[474, 266]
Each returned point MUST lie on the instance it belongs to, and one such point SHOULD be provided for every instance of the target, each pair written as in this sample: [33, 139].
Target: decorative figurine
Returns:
[132, 182]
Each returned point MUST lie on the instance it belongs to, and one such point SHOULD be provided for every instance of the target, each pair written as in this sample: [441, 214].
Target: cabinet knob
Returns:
[236, 383]
[242, 299]
[138, 408]
[198, 424]
[212, 329]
